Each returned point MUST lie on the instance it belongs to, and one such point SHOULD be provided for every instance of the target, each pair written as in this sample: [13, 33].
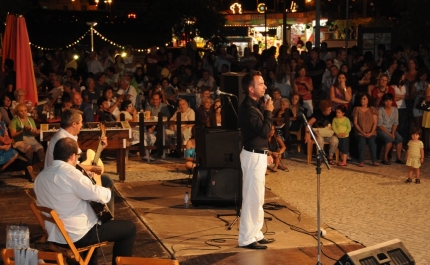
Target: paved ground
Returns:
[370, 205]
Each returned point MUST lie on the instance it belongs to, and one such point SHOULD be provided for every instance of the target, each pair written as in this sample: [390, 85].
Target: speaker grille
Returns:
[223, 184]
[398, 257]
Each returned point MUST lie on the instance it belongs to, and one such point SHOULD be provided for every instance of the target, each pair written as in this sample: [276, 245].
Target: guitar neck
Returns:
[98, 153]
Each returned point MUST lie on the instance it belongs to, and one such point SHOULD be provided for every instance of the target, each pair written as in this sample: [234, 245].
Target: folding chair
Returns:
[45, 214]
[145, 261]
[49, 258]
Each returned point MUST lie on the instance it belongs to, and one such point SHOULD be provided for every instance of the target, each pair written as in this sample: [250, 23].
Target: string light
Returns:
[83, 36]
[67, 46]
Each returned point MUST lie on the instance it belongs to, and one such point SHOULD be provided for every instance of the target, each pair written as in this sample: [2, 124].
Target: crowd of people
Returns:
[107, 83]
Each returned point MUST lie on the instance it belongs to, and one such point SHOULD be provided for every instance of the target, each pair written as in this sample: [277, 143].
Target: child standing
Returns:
[342, 127]
[415, 155]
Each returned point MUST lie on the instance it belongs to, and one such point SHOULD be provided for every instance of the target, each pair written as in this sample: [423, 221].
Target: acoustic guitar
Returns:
[100, 209]
[93, 158]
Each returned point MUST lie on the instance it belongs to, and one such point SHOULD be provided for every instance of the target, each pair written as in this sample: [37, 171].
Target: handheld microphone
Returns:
[219, 92]
[266, 98]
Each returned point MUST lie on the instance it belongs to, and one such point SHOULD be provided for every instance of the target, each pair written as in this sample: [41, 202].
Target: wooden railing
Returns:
[160, 124]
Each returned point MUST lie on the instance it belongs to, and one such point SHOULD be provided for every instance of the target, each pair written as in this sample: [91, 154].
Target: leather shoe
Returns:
[254, 245]
[266, 241]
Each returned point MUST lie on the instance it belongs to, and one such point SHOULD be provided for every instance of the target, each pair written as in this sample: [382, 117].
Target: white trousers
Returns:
[252, 214]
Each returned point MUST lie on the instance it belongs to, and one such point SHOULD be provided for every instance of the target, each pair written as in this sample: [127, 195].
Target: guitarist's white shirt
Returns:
[65, 189]
[61, 133]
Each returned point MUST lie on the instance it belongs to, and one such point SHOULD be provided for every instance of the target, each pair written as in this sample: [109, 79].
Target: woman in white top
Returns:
[397, 83]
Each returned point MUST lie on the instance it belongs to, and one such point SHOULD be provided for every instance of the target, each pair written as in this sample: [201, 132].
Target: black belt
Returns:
[265, 152]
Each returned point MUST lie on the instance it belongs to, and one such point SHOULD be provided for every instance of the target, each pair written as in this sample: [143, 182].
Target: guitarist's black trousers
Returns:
[108, 183]
[121, 232]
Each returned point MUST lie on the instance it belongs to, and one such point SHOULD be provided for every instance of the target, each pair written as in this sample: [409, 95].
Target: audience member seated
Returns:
[380, 90]
[340, 93]
[276, 149]
[190, 152]
[303, 86]
[189, 80]
[187, 114]
[215, 119]
[285, 107]
[103, 111]
[170, 92]
[388, 121]
[111, 77]
[204, 93]
[203, 111]
[6, 110]
[322, 118]
[296, 111]
[114, 102]
[127, 90]
[90, 94]
[276, 97]
[329, 81]
[365, 118]
[20, 98]
[100, 83]
[23, 131]
[342, 128]
[7, 153]
[86, 108]
[155, 106]
[206, 82]
[130, 113]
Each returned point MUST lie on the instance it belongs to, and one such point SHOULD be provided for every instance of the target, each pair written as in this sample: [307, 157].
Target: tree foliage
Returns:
[192, 17]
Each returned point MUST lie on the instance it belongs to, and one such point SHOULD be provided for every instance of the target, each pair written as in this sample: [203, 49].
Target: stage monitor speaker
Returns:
[392, 252]
[231, 83]
[218, 148]
[216, 187]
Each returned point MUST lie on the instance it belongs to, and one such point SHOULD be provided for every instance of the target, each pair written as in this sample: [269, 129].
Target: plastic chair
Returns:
[46, 214]
[145, 261]
[49, 258]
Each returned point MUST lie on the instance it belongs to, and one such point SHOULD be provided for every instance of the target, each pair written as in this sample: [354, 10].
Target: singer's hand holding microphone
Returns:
[268, 103]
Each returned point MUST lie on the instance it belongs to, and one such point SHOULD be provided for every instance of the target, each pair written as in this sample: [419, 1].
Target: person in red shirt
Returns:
[381, 89]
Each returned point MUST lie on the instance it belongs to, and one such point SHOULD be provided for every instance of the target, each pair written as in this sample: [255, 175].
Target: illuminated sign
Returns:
[236, 8]
[261, 8]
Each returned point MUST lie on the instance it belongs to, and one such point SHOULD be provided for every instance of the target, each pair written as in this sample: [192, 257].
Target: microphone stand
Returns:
[231, 105]
[321, 157]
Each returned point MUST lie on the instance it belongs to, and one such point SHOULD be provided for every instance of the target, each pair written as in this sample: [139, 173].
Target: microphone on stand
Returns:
[219, 92]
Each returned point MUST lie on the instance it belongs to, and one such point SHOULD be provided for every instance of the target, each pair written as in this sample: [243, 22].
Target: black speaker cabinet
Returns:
[216, 187]
[392, 252]
[218, 148]
[231, 83]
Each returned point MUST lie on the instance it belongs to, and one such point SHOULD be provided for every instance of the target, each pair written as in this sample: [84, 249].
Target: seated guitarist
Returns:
[71, 123]
[66, 190]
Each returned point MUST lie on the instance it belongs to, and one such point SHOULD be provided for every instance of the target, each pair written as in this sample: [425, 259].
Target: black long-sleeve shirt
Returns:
[255, 124]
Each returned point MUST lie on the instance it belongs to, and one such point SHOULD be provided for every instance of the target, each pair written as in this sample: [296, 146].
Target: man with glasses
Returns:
[70, 126]
[66, 190]
[381, 89]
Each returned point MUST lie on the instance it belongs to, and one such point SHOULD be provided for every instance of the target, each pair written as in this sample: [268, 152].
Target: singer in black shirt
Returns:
[255, 118]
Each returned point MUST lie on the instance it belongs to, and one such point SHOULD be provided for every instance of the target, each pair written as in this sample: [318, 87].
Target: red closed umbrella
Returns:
[9, 39]
[24, 62]
[16, 46]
